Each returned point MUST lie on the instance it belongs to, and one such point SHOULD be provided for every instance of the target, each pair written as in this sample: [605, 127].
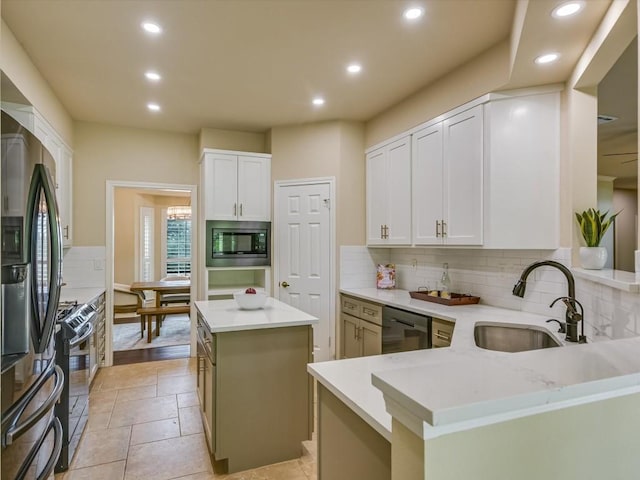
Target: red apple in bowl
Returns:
[250, 290]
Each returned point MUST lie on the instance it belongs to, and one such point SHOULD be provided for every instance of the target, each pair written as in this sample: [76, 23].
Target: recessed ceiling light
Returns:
[567, 9]
[153, 76]
[413, 13]
[154, 107]
[318, 101]
[547, 58]
[354, 68]
[151, 27]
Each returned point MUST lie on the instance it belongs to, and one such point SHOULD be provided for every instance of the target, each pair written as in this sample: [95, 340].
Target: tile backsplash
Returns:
[491, 275]
[84, 267]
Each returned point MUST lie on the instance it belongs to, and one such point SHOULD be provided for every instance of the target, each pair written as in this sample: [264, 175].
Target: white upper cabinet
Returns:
[447, 181]
[522, 176]
[236, 186]
[389, 194]
[486, 174]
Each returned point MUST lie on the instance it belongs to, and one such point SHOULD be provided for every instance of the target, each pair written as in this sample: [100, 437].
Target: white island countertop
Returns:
[447, 389]
[226, 316]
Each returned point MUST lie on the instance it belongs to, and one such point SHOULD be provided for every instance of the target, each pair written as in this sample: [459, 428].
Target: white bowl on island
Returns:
[250, 301]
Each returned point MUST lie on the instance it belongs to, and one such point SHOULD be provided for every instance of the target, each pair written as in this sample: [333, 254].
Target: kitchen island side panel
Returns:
[348, 447]
[263, 395]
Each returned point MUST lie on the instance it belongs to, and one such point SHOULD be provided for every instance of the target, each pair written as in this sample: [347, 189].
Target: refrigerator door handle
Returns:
[41, 182]
[14, 429]
[55, 453]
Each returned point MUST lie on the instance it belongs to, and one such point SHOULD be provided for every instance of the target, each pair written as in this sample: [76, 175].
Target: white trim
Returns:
[163, 241]
[331, 181]
[111, 185]
[234, 153]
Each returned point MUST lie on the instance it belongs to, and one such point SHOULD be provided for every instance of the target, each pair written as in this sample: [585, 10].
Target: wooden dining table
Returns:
[160, 287]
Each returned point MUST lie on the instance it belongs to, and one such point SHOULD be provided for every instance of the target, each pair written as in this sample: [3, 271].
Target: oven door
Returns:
[404, 331]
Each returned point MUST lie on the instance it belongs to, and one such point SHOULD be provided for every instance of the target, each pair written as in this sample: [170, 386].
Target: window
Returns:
[178, 258]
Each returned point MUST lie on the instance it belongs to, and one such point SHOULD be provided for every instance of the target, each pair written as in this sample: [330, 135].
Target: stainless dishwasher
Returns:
[403, 331]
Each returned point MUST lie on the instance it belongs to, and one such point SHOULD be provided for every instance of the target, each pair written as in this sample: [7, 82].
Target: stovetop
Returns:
[73, 318]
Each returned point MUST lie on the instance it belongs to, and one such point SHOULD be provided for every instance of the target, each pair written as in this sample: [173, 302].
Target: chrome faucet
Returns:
[572, 316]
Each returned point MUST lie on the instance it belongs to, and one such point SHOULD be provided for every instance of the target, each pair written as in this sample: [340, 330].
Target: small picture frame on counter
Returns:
[386, 276]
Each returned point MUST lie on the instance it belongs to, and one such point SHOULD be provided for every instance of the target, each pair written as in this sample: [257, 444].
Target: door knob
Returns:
[284, 284]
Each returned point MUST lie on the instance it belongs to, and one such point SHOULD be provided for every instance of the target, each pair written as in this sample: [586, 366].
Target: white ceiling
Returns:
[254, 64]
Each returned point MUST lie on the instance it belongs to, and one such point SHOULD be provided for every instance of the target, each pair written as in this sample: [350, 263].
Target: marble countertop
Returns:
[226, 316]
[80, 295]
[445, 389]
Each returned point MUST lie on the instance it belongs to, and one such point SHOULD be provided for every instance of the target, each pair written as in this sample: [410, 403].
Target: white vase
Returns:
[593, 258]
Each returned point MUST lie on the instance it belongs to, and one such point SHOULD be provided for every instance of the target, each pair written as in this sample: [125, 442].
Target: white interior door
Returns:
[304, 257]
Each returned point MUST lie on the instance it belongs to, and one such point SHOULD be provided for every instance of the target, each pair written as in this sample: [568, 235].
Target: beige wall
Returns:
[487, 72]
[233, 140]
[105, 152]
[128, 202]
[324, 150]
[625, 202]
[15, 63]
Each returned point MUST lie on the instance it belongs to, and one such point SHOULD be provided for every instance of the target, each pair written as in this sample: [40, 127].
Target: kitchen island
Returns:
[466, 412]
[255, 393]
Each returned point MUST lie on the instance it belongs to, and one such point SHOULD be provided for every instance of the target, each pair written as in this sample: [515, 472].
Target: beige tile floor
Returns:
[144, 423]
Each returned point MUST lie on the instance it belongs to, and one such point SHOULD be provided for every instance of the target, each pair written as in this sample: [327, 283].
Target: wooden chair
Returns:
[169, 298]
[126, 303]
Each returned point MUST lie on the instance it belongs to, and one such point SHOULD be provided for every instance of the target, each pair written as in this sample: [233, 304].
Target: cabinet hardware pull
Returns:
[444, 229]
[381, 231]
[240, 209]
[443, 337]
[235, 209]
[66, 232]
[355, 332]
[386, 231]
[368, 311]
[437, 228]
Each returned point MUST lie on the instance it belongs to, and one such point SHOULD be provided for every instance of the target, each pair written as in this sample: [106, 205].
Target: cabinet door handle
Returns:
[444, 229]
[386, 231]
[356, 332]
[382, 231]
[240, 209]
[235, 209]
[66, 232]
[437, 228]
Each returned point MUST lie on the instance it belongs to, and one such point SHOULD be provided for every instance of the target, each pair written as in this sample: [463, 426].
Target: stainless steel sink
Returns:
[513, 337]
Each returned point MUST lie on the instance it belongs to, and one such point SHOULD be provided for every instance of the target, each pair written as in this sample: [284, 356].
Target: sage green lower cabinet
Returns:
[257, 396]
[348, 447]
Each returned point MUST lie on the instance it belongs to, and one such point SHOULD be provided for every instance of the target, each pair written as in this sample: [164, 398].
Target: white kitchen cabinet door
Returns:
[376, 196]
[398, 222]
[15, 182]
[389, 194]
[254, 180]
[64, 190]
[221, 186]
[463, 155]
[428, 187]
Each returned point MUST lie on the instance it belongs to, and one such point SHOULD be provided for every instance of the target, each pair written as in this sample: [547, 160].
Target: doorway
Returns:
[151, 232]
[304, 252]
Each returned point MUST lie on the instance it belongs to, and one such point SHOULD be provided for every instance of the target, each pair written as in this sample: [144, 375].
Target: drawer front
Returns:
[350, 306]
[371, 312]
[442, 332]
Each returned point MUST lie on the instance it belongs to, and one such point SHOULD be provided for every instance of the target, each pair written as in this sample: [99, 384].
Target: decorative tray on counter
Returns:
[456, 298]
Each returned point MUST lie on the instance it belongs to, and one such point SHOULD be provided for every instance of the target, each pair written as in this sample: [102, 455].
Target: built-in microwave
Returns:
[238, 244]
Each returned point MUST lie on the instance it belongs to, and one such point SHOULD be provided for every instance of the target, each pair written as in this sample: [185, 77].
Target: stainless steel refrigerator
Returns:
[31, 277]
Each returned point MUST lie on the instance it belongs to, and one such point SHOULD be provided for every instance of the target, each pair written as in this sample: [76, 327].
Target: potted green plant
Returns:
[593, 225]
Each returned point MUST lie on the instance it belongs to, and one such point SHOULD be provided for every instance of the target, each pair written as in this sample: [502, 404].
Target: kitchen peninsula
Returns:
[466, 412]
[255, 393]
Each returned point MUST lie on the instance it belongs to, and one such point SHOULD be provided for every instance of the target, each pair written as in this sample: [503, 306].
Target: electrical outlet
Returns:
[98, 264]
[414, 263]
